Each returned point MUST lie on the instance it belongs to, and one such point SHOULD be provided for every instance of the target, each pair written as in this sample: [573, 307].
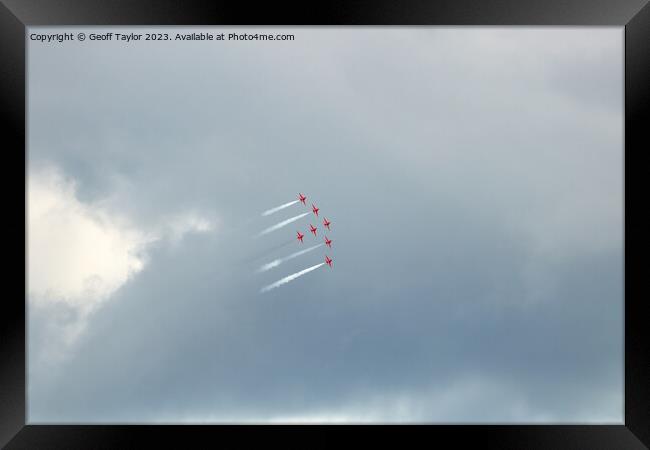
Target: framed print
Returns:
[348, 214]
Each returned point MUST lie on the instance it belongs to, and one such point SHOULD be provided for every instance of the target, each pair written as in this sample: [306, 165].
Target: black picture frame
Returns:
[634, 15]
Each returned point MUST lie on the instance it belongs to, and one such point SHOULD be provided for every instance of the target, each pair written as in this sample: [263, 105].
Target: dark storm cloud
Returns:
[475, 191]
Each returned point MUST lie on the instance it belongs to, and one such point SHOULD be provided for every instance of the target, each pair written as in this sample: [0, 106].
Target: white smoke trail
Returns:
[292, 277]
[277, 262]
[284, 223]
[279, 208]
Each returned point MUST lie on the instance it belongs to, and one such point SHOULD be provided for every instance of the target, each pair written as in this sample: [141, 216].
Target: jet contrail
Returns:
[274, 210]
[292, 277]
[271, 250]
[284, 223]
[277, 262]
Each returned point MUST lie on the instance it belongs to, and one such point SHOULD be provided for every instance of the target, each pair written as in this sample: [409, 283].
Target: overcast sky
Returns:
[473, 178]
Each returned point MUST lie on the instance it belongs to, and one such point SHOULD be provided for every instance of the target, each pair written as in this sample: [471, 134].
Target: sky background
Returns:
[473, 178]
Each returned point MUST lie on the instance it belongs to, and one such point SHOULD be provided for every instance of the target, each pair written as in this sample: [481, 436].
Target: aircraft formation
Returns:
[314, 229]
[300, 238]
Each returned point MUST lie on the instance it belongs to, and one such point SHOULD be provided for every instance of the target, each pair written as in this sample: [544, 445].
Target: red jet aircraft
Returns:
[300, 236]
[313, 208]
[302, 198]
[312, 229]
[328, 242]
[328, 261]
[326, 223]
